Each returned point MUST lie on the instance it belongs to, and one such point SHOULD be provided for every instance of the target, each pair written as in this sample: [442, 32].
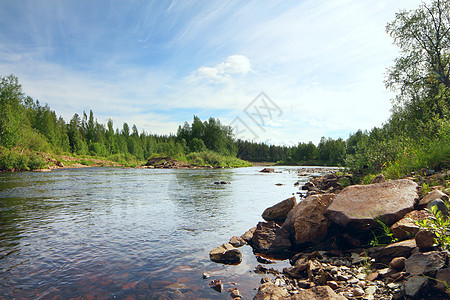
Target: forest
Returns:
[416, 136]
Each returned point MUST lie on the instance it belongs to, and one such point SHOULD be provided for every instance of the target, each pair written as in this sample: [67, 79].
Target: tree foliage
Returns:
[422, 71]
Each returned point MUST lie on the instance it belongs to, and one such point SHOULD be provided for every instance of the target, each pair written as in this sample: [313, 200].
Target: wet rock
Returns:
[425, 239]
[431, 196]
[406, 228]
[378, 179]
[248, 235]
[234, 293]
[425, 263]
[384, 255]
[263, 260]
[306, 221]
[216, 285]
[270, 238]
[358, 206]
[317, 293]
[237, 242]
[279, 211]
[270, 291]
[267, 170]
[440, 205]
[226, 254]
[415, 284]
[398, 263]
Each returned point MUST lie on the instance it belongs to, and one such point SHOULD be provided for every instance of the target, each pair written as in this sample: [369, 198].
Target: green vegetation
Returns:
[439, 225]
[30, 133]
[210, 158]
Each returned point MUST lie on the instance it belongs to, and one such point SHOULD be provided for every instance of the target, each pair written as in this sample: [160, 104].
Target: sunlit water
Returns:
[110, 233]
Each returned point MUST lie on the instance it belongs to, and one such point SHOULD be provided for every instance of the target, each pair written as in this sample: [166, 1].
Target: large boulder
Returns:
[306, 222]
[226, 254]
[406, 227]
[359, 206]
[279, 211]
[269, 238]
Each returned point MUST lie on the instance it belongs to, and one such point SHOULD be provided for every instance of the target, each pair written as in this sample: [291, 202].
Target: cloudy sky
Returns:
[319, 64]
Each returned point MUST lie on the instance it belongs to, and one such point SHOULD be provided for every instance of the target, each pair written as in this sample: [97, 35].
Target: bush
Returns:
[20, 161]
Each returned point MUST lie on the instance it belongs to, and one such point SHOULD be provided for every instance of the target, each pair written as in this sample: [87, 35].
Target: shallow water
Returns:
[111, 233]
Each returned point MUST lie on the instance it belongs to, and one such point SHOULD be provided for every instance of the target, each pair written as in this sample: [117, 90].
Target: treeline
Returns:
[328, 152]
[27, 127]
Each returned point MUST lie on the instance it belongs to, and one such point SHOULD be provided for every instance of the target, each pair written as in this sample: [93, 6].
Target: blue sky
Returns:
[157, 63]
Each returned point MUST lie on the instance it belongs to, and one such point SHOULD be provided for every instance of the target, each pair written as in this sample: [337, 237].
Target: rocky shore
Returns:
[357, 242]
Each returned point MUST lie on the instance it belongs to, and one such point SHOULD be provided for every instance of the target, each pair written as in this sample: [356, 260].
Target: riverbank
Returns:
[355, 242]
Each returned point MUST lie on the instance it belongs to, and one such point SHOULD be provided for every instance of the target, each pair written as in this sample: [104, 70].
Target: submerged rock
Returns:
[358, 207]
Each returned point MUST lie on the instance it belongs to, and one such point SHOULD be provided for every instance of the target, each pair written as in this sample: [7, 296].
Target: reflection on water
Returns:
[118, 233]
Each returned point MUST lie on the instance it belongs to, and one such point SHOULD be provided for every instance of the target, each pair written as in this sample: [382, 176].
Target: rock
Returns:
[443, 279]
[206, 275]
[270, 238]
[237, 242]
[317, 293]
[398, 263]
[378, 179]
[234, 293]
[359, 206]
[309, 186]
[440, 206]
[248, 235]
[406, 228]
[306, 222]
[279, 211]
[216, 285]
[384, 255]
[433, 195]
[263, 260]
[373, 276]
[425, 239]
[267, 170]
[358, 292]
[222, 182]
[333, 284]
[415, 284]
[270, 291]
[425, 263]
[226, 254]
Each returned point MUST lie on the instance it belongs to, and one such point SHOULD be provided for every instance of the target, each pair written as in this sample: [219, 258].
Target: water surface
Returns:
[111, 233]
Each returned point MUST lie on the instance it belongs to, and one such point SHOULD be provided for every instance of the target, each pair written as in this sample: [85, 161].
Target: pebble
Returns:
[358, 292]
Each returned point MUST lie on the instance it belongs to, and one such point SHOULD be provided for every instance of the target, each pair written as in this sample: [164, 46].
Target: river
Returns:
[113, 233]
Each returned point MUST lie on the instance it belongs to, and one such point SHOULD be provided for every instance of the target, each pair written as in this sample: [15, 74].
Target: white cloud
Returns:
[232, 66]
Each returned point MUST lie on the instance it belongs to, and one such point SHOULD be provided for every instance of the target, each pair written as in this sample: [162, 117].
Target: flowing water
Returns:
[112, 233]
